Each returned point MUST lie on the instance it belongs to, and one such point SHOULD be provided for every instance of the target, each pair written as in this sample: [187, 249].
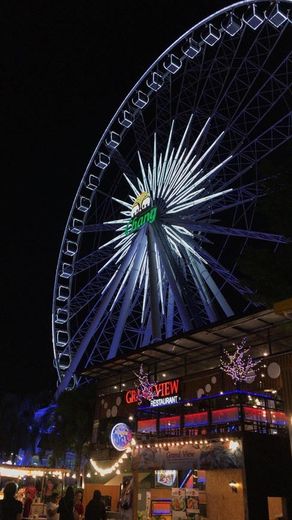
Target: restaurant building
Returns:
[193, 445]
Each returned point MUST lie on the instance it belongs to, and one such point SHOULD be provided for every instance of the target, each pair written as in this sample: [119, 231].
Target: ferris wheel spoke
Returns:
[92, 259]
[204, 295]
[141, 136]
[128, 296]
[99, 314]
[215, 64]
[201, 275]
[257, 149]
[243, 76]
[154, 285]
[246, 233]
[248, 101]
[87, 294]
[146, 337]
[169, 313]
[173, 281]
[232, 49]
[215, 290]
[275, 88]
[123, 164]
[225, 274]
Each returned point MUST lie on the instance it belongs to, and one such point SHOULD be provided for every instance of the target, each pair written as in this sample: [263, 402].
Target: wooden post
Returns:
[135, 494]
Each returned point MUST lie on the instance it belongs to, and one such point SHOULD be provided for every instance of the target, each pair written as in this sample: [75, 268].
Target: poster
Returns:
[148, 504]
[178, 504]
[192, 501]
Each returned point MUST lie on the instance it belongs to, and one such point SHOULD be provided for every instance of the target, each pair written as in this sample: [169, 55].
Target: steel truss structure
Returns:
[187, 141]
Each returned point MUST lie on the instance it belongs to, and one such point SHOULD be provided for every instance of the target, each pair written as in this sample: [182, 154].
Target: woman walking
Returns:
[66, 505]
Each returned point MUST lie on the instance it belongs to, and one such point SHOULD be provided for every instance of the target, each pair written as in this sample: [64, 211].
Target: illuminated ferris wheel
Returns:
[166, 204]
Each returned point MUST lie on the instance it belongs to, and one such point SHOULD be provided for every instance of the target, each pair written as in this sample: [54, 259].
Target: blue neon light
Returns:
[213, 396]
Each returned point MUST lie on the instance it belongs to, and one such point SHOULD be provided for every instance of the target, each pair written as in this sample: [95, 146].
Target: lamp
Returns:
[233, 485]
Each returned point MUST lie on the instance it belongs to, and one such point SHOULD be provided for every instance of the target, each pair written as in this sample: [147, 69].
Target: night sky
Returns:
[67, 66]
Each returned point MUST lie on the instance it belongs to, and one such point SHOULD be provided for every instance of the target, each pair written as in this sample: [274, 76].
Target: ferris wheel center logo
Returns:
[141, 213]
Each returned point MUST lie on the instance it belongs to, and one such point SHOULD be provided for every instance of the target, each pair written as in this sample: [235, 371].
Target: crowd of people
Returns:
[68, 507]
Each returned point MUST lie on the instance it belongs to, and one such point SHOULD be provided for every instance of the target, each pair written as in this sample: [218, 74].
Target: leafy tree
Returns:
[74, 419]
[17, 423]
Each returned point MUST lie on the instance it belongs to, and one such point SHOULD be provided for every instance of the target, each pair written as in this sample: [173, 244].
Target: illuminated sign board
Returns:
[164, 401]
[139, 221]
[166, 477]
[121, 436]
[165, 393]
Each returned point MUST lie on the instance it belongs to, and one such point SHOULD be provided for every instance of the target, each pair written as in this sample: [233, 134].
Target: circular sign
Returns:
[121, 436]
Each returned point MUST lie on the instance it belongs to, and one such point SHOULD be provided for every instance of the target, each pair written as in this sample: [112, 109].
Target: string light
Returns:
[21, 472]
[175, 444]
[113, 468]
[239, 365]
[145, 389]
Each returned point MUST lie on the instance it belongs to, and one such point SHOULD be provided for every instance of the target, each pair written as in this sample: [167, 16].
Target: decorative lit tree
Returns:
[239, 365]
[145, 389]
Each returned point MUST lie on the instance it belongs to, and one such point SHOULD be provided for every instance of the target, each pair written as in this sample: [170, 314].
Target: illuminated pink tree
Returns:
[239, 365]
[145, 389]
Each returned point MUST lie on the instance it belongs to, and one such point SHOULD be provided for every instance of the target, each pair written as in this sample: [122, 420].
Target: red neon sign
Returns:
[164, 389]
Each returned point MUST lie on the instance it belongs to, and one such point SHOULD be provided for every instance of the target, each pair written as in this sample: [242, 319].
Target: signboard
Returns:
[165, 393]
[121, 436]
[139, 221]
[216, 455]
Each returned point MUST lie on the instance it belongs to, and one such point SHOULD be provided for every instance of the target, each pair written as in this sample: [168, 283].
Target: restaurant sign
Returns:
[163, 393]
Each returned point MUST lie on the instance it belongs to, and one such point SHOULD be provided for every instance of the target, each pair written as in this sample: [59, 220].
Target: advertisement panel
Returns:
[215, 455]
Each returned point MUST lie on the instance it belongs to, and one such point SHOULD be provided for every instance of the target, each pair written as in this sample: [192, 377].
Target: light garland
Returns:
[240, 364]
[172, 444]
[21, 472]
[114, 467]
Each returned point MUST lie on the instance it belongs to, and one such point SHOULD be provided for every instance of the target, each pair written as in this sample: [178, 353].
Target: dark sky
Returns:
[67, 65]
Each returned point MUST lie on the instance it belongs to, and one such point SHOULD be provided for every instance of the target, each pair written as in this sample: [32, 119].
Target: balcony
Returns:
[231, 412]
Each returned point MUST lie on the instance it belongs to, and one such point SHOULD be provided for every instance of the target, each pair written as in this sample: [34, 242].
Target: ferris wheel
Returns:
[166, 204]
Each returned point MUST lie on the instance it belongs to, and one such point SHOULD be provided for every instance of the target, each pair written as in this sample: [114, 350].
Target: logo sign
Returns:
[121, 436]
[165, 393]
[141, 213]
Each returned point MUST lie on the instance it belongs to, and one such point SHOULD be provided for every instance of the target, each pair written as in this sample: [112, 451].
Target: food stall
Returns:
[33, 478]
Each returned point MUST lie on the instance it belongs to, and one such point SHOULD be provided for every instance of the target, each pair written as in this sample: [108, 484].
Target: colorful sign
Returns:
[121, 436]
[192, 501]
[137, 222]
[161, 390]
[178, 503]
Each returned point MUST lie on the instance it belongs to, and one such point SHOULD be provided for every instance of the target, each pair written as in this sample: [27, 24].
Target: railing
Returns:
[238, 415]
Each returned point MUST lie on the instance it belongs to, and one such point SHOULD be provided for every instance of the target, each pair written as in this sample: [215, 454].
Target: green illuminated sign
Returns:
[139, 221]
